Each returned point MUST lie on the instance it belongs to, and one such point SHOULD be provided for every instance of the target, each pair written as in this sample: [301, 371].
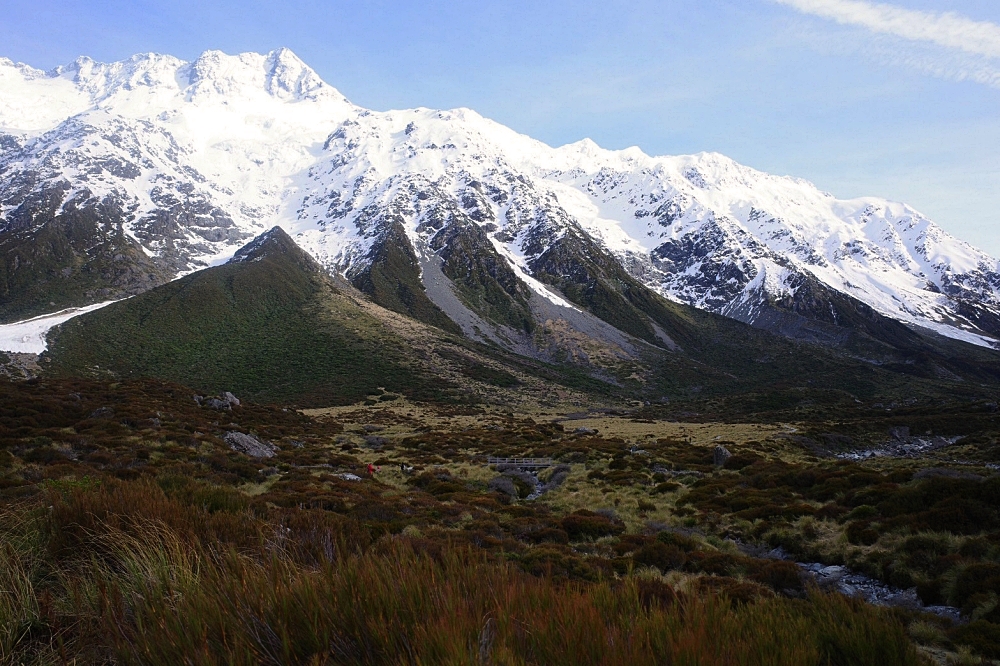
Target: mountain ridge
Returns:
[196, 158]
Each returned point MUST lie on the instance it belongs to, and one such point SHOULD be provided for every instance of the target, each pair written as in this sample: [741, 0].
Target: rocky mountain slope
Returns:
[117, 177]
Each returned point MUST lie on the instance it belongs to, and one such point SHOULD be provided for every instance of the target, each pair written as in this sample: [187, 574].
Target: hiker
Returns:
[371, 469]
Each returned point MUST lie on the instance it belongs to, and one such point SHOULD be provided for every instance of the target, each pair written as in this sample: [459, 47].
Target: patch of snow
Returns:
[28, 336]
[542, 290]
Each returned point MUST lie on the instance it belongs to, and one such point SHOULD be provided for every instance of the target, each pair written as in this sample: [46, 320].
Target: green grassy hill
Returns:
[268, 325]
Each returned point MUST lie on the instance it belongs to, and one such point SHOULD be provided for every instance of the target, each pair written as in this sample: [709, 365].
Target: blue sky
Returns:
[898, 99]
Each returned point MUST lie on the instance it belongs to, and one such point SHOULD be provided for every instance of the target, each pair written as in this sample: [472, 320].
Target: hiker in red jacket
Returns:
[371, 469]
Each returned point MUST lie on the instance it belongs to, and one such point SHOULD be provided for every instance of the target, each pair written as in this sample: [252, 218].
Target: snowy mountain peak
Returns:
[149, 84]
[103, 80]
[9, 68]
[289, 76]
[279, 73]
[587, 148]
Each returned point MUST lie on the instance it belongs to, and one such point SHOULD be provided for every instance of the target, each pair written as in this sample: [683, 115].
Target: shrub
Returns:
[548, 535]
[739, 592]
[654, 593]
[779, 575]
[860, 532]
[926, 633]
[682, 541]
[583, 524]
[503, 484]
[646, 507]
[976, 548]
[552, 561]
[741, 461]
[660, 555]
[42, 455]
[930, 592]
[718, 564]
[977, 578]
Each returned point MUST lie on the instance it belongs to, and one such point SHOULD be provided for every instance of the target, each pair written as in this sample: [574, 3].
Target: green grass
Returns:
[486, 283]
[392, 280]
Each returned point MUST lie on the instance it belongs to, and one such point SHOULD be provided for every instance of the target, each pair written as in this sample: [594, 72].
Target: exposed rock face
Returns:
[55, 255]
[250, 445]
[19, 365]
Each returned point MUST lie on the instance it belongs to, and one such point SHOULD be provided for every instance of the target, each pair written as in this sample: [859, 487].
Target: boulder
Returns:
[102, 413]
[720, 455]
[224, 403]
[250, 445]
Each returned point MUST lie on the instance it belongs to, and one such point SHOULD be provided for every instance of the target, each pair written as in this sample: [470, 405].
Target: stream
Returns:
[853, 584]
[903, 447]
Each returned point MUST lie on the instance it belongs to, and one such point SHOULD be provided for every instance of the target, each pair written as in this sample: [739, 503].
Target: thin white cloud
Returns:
[948, 29]
[967, 49]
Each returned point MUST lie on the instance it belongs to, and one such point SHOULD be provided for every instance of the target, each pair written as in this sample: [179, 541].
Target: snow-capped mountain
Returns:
[114, 177]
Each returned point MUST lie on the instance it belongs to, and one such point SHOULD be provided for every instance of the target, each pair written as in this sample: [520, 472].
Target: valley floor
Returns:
[138, 527]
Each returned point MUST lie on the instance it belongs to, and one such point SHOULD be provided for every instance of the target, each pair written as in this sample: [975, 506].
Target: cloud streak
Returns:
[950, 30]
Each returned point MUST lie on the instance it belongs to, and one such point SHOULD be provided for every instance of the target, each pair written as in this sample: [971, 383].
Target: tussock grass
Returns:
[119, 572]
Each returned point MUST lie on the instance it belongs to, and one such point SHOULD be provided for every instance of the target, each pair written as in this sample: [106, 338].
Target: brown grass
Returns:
[131, 576]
